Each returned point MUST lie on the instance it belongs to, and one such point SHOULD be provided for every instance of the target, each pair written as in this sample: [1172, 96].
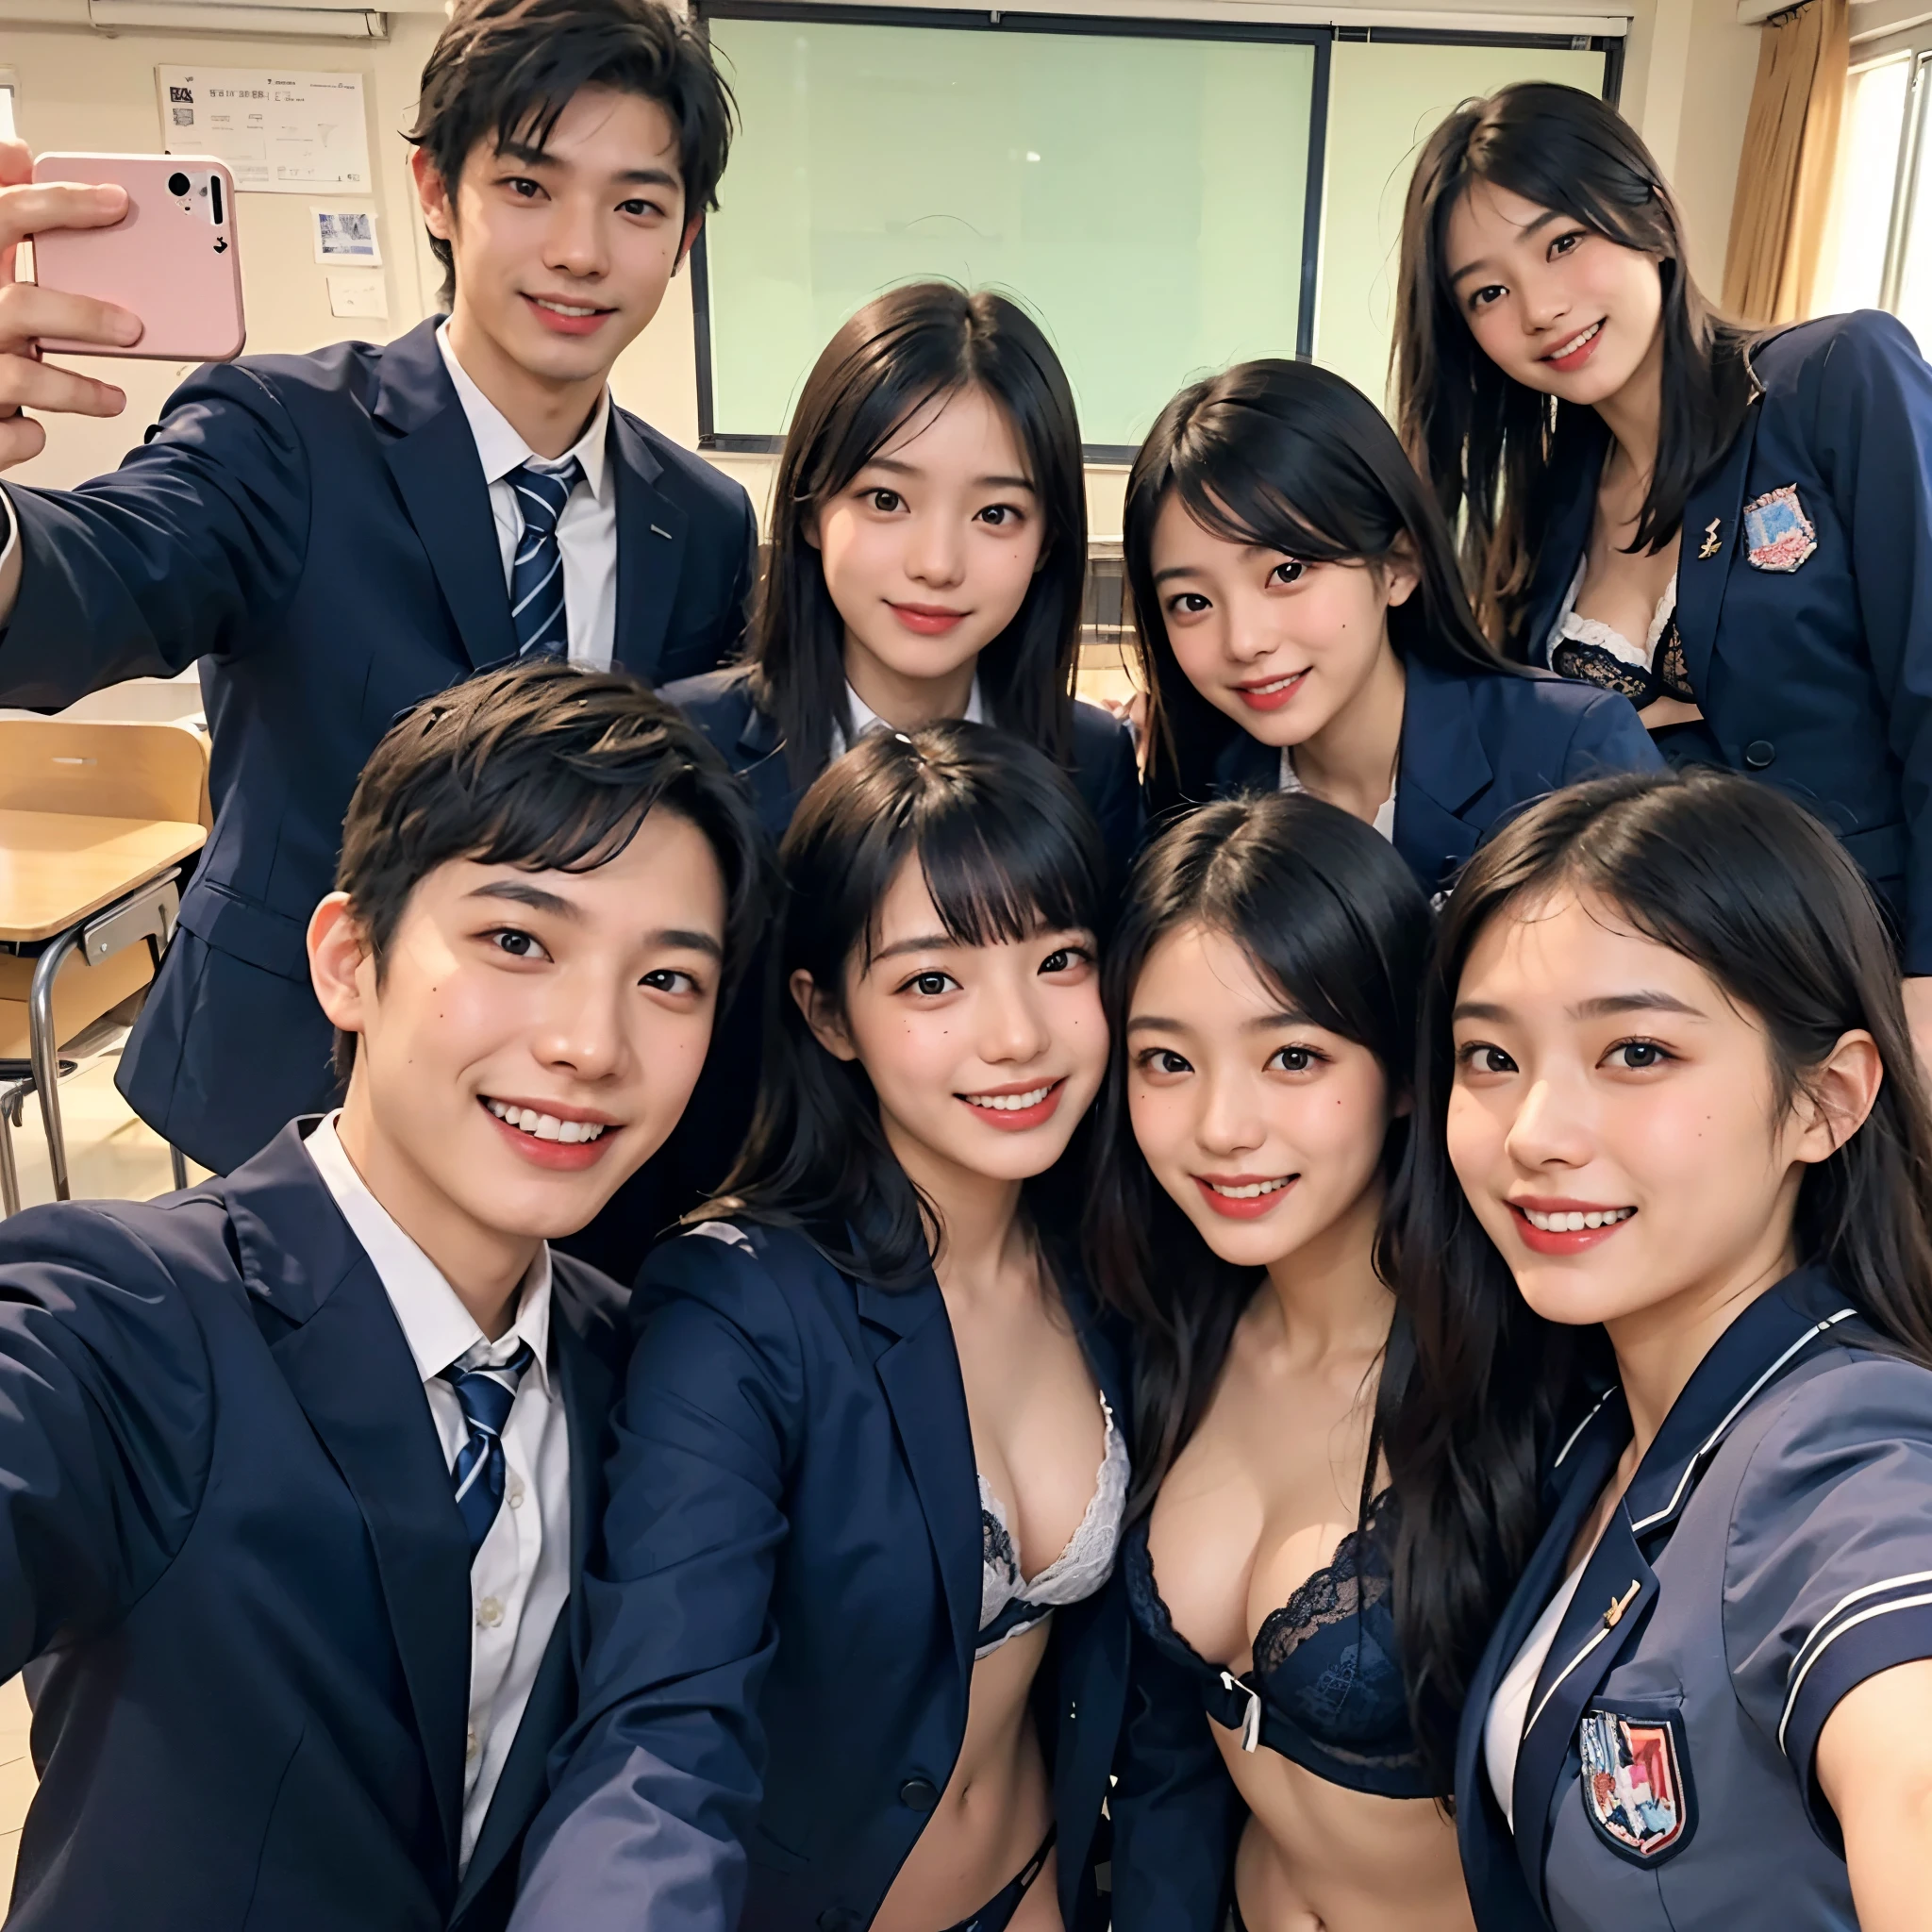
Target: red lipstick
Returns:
[1016, 1120]
[928, 620]
[1565, 1240]
[1249, 1207]
[1579, 356]
[1270, 693]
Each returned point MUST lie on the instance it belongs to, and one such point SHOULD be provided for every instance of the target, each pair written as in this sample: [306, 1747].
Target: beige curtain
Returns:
[1783, 173]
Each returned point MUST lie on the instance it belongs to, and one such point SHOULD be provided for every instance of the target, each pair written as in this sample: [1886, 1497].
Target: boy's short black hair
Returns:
[503, 70]
[547, 767]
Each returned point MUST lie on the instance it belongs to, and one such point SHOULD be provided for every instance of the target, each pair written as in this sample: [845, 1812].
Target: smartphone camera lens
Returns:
[177, 184]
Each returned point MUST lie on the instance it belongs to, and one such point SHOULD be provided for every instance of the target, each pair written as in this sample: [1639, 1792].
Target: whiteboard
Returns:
[1144, 195]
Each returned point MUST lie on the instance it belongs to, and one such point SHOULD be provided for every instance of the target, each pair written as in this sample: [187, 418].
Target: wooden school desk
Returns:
[88, 892]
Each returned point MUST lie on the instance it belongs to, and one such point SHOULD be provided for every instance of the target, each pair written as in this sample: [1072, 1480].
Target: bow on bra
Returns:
[1010, 1603]
[1326, 1688]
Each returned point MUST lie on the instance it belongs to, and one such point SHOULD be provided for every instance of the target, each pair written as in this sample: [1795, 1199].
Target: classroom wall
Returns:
[1686, 87]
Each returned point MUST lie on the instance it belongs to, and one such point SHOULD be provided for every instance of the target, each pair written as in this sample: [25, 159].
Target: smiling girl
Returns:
[1263, 989]
[928, 557]
[860, 1662]
[1302, 626]
[1671, 1143]
[1733, 529]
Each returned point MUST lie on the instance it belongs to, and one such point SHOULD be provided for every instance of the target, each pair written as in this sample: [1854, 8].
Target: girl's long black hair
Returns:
[1286, 457]
[1485, 442]
[897, 353]
[1007, 848]
[1744, 883]
[1334, 923]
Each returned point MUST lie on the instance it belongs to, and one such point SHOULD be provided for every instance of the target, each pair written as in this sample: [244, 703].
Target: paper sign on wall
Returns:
[280, 133]
[356, 294]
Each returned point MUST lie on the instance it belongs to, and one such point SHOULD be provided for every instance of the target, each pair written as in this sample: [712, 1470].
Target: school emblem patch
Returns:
[1634, 1787]
[1778, 533]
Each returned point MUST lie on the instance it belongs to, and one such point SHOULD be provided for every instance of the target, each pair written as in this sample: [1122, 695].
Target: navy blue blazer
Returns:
[1476, 747]
[230, 1552]
[1103, 764]
[783, 1629]
[1817, 676]
[316, 531]
[1769, 1556]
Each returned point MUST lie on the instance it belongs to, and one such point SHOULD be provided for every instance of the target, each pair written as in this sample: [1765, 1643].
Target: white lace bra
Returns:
[1592, 652]
[1010, 1603]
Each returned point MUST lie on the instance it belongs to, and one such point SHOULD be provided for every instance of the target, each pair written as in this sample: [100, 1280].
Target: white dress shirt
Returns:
[1384, 821]
[587, 530]
[865, 721]
[521, 1577]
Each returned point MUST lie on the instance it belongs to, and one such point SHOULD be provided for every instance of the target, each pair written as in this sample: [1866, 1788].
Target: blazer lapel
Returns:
[437, 470]
[1713, 524]
[920, 1375]
[651, 532]
[1613, 1597]
[589, 1389]
[1576, 466]
[347, 1364]
[1442, 769]
[759, 760]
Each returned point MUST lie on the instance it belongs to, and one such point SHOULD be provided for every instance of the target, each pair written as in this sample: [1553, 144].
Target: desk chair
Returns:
[94, 821]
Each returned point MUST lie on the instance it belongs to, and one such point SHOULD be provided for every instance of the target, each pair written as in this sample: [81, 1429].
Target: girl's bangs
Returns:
[995, 878]
[1239, 506]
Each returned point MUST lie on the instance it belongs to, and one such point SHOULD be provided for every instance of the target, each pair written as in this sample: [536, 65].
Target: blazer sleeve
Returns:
[1609, 737]
[1176, 1815]
[1872, 430]
[190, 548]
[1827, 1569]
[661, 1774]
[106, 1424]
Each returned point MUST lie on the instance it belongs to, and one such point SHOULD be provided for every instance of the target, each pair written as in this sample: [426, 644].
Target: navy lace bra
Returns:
[1326, 1688]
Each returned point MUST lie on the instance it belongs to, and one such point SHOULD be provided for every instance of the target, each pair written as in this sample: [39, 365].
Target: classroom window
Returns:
[1167, 197]
[1880, 228]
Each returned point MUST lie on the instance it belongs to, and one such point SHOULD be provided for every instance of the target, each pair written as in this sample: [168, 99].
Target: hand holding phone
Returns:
[170, 259]
[27, 313]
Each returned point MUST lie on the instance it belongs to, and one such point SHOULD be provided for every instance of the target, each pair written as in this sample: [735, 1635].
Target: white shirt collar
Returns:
[503, 450]
[1384, 821]
[435, 1324]
[863, 721]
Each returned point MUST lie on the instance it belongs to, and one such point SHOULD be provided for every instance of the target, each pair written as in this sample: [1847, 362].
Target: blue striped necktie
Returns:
[536, 574]
[486, 1394]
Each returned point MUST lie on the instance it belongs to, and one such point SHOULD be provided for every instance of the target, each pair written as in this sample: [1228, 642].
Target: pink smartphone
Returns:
[172, 258]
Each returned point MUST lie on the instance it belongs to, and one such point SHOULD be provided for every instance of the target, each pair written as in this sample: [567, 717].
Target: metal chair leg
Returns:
[177, 1163]
[45, 1049]
[9, 1174]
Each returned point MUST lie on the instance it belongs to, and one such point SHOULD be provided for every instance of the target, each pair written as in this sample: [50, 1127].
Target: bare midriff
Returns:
[1316, 1857]
[993, 1814]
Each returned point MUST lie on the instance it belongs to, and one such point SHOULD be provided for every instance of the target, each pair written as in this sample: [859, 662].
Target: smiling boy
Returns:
[335, 535]
[298, 1469]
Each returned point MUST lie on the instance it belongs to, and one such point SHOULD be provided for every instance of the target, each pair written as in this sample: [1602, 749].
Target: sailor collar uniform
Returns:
[1774, 1551]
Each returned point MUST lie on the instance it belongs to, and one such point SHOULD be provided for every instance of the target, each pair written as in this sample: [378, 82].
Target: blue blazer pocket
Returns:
[247, 930]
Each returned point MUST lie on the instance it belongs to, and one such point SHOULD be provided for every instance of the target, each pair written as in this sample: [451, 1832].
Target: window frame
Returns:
[1322, 39]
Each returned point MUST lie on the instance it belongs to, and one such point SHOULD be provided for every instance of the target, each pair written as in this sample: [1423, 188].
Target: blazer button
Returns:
[1760, 753]
[919, 1794]
[839, 1919]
